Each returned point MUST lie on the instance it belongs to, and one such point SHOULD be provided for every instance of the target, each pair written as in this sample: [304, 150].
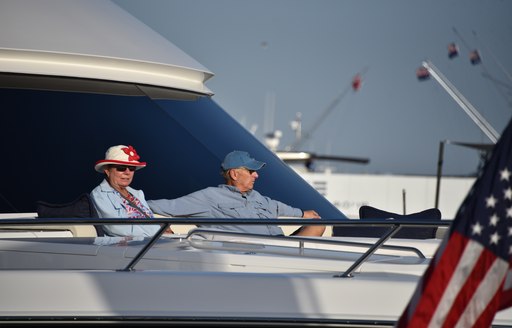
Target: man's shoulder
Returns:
[205, 192]
[255, 194]
[220, 192]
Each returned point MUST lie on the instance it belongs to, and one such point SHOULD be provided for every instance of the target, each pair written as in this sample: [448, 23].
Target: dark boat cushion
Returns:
[369, 212]
[81, 207]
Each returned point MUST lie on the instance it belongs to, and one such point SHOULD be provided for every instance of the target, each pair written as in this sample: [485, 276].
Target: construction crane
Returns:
[470, 110]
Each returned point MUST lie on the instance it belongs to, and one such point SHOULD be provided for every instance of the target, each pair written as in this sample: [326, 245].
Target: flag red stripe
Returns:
[480, 269]
[416, 297]
[506, 299]
[436, 282]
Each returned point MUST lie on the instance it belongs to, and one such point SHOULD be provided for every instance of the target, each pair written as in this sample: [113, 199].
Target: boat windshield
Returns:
[54, 129]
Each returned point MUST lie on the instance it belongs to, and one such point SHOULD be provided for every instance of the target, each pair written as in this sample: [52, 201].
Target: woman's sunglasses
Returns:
[122, 168]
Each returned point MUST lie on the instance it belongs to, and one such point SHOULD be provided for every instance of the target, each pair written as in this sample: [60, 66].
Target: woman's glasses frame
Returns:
[122, 168]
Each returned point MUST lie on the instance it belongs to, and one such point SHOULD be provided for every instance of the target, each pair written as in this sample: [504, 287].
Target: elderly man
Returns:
[236, 199]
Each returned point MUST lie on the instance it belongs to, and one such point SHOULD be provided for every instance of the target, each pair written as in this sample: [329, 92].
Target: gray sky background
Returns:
[274, 58]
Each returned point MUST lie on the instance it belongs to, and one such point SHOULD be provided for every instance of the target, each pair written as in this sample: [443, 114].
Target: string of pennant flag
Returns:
[474, 55]
[453, 52]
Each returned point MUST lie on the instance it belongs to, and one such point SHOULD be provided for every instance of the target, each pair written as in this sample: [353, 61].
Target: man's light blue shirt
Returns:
[227, 201]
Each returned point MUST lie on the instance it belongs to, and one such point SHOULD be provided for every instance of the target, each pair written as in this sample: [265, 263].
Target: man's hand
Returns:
[311, 214]
[312, 230]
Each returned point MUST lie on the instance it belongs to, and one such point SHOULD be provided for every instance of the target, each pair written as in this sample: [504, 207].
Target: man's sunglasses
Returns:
[122, 168]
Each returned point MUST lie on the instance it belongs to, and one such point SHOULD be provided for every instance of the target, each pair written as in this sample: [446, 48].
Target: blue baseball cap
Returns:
[238, 158]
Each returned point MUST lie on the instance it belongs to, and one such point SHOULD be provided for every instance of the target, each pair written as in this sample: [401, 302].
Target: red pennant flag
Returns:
[356, 82]
[422, 73]
[453, 50]
[474, 57]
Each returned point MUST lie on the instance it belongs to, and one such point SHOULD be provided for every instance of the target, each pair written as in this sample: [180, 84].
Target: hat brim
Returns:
[100, 164]
[254, 165]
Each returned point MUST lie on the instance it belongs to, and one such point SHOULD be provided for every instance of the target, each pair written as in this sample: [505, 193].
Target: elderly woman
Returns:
[114, 198]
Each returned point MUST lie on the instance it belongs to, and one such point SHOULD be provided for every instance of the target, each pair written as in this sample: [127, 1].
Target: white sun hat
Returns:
[120, 155]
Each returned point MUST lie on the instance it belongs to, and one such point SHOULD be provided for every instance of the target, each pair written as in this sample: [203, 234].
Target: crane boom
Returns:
[354, 84]
[470, 110]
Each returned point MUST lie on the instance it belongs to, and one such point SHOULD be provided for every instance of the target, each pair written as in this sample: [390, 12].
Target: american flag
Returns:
[470, 278]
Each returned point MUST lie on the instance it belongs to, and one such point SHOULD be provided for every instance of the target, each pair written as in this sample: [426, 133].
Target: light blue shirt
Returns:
[227, 202]
[110, 204]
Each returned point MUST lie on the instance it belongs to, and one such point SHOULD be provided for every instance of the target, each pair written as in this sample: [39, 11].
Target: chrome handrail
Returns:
[372, 247]
[301, 241]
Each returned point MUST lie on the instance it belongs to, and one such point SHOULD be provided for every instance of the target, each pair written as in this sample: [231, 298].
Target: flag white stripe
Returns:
[508, 280]
[484, 293]
[464, 267]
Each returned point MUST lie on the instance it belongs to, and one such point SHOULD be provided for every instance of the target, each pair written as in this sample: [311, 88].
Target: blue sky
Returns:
[275, 58]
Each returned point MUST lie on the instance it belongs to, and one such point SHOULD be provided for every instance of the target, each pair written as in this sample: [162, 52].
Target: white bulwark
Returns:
[392, 193]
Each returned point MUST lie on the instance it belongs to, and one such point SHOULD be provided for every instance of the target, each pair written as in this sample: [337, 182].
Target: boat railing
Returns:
[245, 242]
[207, 239]
[372, 247]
